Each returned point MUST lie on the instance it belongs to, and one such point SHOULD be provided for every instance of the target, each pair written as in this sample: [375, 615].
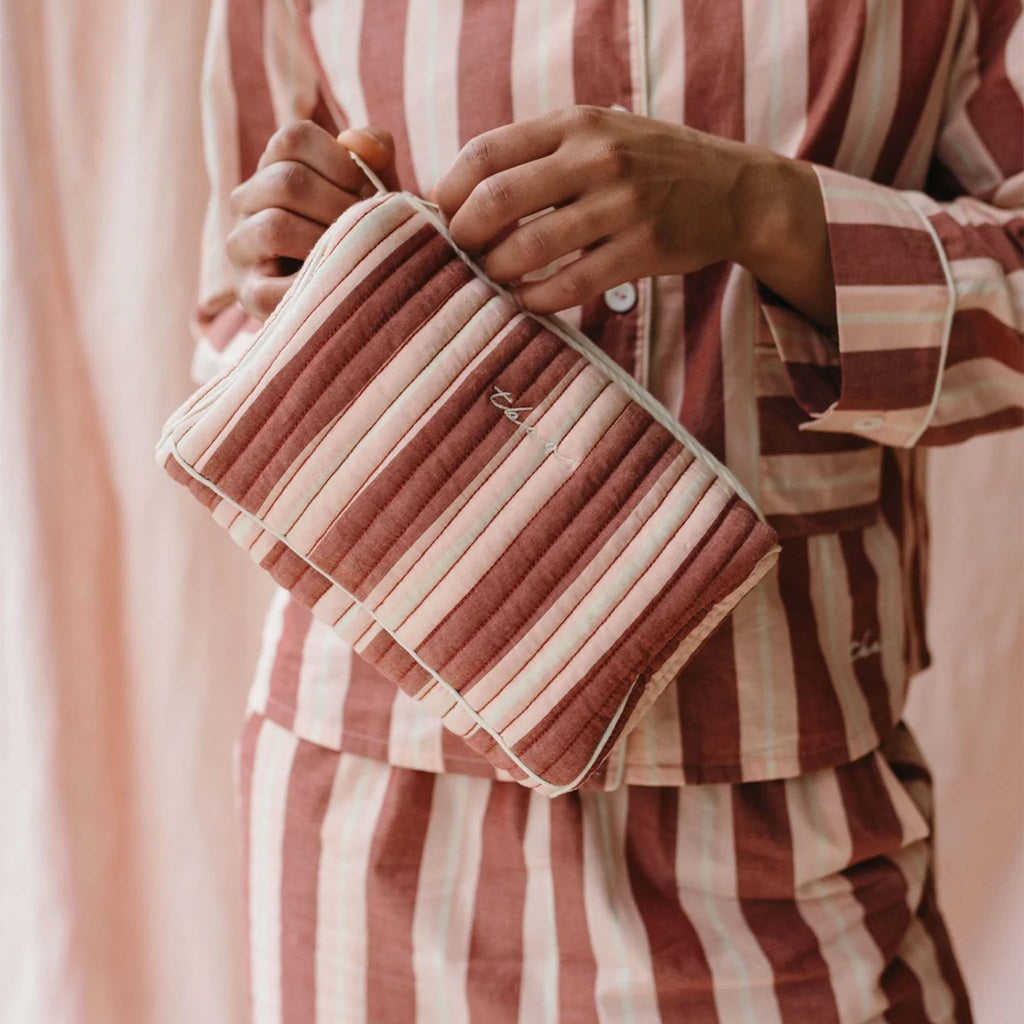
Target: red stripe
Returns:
[863, 588]
[996, 103]
[494, 973]
[245, 753]
[779, 420]
[1001, 243]
[977, 334]
[883, 255]
[255, 110]
[954, 433]
[367, 709]
[835, 36]
[892, 379]
[364, 543]
[344, 353]
[545, 557]
[391, 885]
[923, 30]
[766, 889]
[601, 77]
[878, 884]
[284, 675]
[707, 688]
[682, 975]
[818, 709]
[382, 75]
[309, 794]
[485, 67]
[274, 391]
[808, 524]
[577, 975]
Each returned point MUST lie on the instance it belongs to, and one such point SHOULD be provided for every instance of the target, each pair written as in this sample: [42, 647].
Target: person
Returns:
[796, 224]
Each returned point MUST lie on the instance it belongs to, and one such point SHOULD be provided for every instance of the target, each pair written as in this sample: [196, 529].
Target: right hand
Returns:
[304, 181]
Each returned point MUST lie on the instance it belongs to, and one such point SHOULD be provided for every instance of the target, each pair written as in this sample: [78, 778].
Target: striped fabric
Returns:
[482, 503]
[911, 114]
[383, 895]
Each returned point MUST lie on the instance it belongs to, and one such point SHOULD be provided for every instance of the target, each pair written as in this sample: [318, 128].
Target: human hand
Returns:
[639, 197]
[304, 181]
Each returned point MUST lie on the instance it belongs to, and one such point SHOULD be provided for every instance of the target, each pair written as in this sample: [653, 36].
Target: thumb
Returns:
[376, 147]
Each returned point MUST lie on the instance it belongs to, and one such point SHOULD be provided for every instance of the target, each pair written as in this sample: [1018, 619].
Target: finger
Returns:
[260, 294]
[541, 241]
[307, 143]
[271, 234]
[597, 270]
[507, 196]
[376, 147]
[498, 150]
[294, 187]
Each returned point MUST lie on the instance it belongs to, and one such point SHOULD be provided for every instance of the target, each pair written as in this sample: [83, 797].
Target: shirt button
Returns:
[622, 298]
[870, 423]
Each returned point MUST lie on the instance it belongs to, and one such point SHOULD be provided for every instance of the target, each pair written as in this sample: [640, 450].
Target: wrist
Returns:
[775, 210]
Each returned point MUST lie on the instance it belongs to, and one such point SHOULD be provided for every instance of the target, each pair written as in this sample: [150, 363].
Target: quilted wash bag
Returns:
[479, 500]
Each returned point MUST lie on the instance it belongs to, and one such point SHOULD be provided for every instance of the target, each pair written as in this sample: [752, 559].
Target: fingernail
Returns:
[365, 133]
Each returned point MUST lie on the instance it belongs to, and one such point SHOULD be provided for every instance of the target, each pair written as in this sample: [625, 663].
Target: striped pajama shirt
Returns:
[766, 856]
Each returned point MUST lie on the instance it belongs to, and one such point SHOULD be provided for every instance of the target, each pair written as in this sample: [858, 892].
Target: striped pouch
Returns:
[479, 500]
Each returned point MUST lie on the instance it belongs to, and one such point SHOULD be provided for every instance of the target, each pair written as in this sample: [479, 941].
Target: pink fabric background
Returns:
[130, 626]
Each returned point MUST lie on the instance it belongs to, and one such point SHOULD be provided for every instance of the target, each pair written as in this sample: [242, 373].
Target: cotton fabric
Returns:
[385, 894]
[117, 717]
[907, 114]
[811, 672]
[478, 501]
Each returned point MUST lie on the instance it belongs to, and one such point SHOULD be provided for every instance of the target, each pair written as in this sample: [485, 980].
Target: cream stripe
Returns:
[431, 87]
[760, 629]
[337, 33]
[821, 847]
[513, 663]
[625, 990]
[875, 89]
[976, 388]
[291, 73]
[430, 590]
[706, 879]
[445, 898]
[882, 551]
[414, 735]
[603, 617]
[538, 993]
[833, 613]
[346, 836]
[917, 950]
[323, 683]
[273, 626]
[271, 775]
[524, 482]
[775, 73]
[373, 430]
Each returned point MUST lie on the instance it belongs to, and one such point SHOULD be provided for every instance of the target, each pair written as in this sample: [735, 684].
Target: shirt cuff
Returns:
[878, 375]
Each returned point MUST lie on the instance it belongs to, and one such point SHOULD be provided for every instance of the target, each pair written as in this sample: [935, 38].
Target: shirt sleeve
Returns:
[929, 293]
[259, 73]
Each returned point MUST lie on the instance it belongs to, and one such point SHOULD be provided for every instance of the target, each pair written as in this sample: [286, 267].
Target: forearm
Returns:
[782, 236]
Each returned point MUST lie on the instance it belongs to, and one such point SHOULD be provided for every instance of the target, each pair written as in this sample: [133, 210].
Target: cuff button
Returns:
[869, 423]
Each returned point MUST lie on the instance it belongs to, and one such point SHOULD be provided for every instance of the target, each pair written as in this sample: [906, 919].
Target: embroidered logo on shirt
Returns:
[865, 647]
[513, 411]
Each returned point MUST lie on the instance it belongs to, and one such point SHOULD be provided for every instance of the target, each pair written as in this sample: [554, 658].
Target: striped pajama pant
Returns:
[392, 896]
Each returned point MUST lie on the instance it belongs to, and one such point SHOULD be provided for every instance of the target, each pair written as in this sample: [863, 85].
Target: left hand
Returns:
[639, 197]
